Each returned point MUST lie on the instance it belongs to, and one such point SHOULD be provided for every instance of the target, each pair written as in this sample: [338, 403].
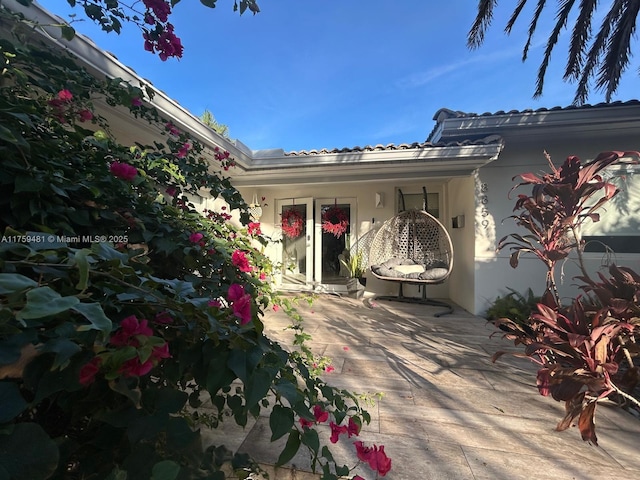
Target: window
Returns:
[619, 225]
[416, 201]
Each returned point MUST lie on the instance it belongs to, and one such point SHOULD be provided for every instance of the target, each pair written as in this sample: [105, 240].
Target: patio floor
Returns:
[447, 411]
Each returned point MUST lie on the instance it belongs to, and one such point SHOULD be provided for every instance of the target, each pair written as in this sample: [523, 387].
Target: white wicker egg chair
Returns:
[413, 247]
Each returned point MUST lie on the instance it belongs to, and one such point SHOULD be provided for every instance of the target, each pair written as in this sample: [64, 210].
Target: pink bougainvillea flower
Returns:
[196, 237]
[353, 428]
[383, 463]
[375, 457]
[85, 115]
[241, 303]
[242, 309]
[173, 130]
[319, 414]
[304, 423]
[357, 477]
[164, 318]
[329, 368]
[262, 276]
[239, 259]
[336, 431]
[123, 171]
[171, 191]
[362, 452]
[184, 149]
[160, 8]
[65, 95]
[276, 308]
[130, 327]
[134, 368]
[160, 352]
[214, 303]
[254, 228]
[235, 292]
[89, 370]
[136, 102]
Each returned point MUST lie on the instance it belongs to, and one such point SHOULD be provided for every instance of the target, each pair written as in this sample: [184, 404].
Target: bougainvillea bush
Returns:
[588, 350]
[122, 309]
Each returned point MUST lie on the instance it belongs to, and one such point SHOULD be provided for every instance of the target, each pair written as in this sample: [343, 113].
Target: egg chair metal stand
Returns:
[413, 248]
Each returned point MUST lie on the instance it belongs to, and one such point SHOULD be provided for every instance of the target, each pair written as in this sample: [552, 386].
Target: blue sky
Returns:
[332, 74]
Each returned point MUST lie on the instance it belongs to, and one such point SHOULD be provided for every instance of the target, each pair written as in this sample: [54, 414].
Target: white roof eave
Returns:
[426, 162]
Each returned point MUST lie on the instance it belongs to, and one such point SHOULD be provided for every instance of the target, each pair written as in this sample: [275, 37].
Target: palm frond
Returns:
[616, 59]
[475, 37]
[580, 37]
[532, 27]
[598, 47]
[514, 16]
[561, 23]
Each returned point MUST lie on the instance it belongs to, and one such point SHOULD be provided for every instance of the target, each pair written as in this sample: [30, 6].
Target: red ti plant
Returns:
[580, 348]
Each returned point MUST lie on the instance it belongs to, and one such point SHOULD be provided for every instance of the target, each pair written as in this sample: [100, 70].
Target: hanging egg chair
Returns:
[414, 248]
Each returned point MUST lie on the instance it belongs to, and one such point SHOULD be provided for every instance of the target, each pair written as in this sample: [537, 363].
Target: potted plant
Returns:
[355, 267]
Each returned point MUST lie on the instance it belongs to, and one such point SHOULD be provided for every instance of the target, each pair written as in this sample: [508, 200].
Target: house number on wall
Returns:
[484, 200]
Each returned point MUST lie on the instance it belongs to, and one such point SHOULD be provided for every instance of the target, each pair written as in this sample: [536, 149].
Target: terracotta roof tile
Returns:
[460, 114]
[391, 146]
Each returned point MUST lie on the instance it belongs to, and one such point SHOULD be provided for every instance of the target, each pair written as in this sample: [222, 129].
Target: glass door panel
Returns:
[296, 250]
[335, 229]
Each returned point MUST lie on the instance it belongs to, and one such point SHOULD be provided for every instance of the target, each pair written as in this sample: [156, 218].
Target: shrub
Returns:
[585, 350]
[514, 306]
[122, 308]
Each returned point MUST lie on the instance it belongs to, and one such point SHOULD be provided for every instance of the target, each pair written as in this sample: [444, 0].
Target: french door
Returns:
[309, 255]
[295, 254]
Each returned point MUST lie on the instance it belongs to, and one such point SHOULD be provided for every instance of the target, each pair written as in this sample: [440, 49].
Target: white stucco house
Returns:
[466, 163]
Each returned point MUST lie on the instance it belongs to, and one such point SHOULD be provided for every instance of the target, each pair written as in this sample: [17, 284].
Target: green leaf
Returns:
[326, 453]
[27, 452]
[63, 348]
[257, 386]
[238, 364]
[7, 135]
[310, 439]
[96, 316]
[44, 302]
[168, 400]
[25, 183]
[14, 282]
[288, 390]
[67, 32]
[83, 267]
[120, 386]
[12, 402]
[209, 3]
[180, 436]
[342, 471]
[165, 470]
[280, 421]
[290, 449]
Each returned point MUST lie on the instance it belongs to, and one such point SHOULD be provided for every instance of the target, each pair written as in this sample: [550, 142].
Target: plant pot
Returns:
[363, 281]
[352, 285]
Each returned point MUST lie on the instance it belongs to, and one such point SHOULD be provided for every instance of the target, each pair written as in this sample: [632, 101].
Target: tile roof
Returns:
[403, 146]
[460, 114]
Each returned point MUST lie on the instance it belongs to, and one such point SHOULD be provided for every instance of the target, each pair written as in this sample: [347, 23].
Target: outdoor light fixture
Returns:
[457, 221]
[379, 200]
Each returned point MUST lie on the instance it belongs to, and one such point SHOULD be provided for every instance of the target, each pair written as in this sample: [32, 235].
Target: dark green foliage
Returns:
[514, 306]
[121, 306]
